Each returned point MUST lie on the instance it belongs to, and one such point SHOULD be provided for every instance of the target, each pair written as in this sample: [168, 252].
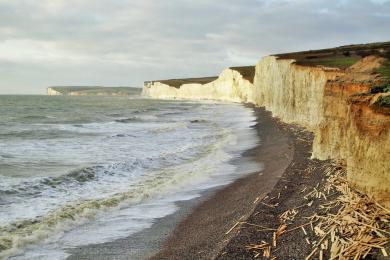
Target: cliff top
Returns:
[339, 57]
[93, 89]
[247, 72]
[178, 82]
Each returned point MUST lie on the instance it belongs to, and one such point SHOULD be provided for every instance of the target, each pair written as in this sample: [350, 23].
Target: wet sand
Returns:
[198, 229]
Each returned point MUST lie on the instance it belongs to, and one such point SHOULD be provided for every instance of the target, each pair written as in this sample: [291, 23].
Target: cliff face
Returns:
[367, 147]
[53, 92]
[355, 131]
[229, 86]
[349, 129]
[293, 93]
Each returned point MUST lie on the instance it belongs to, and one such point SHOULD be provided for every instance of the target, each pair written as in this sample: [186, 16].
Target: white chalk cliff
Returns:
[53, 92]
[309, 97]
[230, 86]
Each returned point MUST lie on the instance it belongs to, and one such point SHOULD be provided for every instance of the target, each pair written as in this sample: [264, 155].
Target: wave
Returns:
[170, 114]
[77, 177]
[43, 134]
[104, 175]
[115, 115]
[140, 153]
[122, 135]
[17, 235]
[7, 156]
[36, 117]
[195, 121]
[169, 128]
[50, 119]
[129, 120]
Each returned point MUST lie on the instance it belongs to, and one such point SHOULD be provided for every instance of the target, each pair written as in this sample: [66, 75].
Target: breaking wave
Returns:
[82, 158]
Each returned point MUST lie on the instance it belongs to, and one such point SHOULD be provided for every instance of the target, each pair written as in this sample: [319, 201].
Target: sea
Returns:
[77, 171]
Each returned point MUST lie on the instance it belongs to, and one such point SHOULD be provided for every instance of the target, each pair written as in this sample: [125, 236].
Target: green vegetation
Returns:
[342, 62]
[380, 89]
[385, 71]
[383, 101]
[336, 62]
[340, 57]
[361, 50]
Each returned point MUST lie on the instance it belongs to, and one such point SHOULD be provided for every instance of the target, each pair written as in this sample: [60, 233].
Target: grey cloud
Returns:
[123, 42]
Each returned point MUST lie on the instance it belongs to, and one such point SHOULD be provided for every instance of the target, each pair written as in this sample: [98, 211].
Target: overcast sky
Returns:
[125, 42]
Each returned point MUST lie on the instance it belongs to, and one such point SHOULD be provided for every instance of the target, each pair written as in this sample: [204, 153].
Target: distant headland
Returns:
[92, 91]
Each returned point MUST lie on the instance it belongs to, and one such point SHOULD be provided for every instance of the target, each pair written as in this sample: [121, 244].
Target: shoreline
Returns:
[204, 233]
[273, 151]
[287, 198]
[239, 220]
[277, 219]
[310, 213]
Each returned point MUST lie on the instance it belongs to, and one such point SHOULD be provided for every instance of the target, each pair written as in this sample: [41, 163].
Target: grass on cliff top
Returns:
[385, 71]
[362, 50]
[339, 57]
[336, 62]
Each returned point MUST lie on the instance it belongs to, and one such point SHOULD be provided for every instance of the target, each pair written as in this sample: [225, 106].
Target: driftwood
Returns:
[357, 226]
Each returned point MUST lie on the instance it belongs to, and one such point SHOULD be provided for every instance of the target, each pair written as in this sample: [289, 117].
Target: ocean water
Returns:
[85, 170]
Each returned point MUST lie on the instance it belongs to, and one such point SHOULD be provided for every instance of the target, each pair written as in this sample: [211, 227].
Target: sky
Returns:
[125, 42]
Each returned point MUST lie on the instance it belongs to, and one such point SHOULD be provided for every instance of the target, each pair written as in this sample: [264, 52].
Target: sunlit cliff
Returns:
[350, 125]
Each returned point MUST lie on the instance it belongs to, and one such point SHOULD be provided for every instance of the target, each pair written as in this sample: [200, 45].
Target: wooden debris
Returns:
[311, 254]
[231, 229]
[300, 226]
[267, 252]
[304, 231]
[288, 215]
[274, 240]
[359, 226]
[282, 229]
[259, 226]
[269, 205]
[235, 225]
[349, 225]
[384, 251]
[262, 246]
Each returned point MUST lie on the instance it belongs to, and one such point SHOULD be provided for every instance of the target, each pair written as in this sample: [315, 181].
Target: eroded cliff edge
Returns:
[348, 114]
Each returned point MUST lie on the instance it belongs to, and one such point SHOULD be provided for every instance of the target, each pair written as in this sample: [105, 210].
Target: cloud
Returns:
[124, 42]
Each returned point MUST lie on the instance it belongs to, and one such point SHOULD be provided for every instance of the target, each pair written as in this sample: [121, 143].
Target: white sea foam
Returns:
[74, 191]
